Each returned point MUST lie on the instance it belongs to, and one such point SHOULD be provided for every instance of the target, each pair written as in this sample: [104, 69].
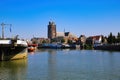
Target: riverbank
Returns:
[110, 47]
[58, 46]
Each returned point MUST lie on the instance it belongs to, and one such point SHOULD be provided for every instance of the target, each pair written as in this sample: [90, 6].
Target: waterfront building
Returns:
[82, 39]
[51, 30]
[65, 36]
[70, 36]
[55, 36]
[59, 37]
[94, 39]
[40, 40]
[60, 34]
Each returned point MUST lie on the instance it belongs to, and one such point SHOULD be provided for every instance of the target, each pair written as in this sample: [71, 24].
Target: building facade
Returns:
[51, 30]
[40, 40]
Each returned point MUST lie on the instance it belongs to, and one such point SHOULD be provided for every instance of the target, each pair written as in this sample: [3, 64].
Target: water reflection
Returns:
[52, 65]
[13, 70]
[83, 64]
[64, 65]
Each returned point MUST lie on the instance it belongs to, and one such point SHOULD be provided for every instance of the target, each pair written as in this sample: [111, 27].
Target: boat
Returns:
[64, 46]
[32, 47]
[12, 48]
[55, 46]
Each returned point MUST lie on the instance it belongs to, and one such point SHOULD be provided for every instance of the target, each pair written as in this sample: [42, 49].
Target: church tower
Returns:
[51, 30]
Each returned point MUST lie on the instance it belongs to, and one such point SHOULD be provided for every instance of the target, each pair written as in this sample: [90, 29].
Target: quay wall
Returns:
[108, 47]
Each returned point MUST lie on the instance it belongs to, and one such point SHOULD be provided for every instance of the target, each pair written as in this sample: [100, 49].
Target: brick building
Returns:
[51, 30]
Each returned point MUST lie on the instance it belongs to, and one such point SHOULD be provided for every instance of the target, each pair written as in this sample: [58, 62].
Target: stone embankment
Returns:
[111, 47]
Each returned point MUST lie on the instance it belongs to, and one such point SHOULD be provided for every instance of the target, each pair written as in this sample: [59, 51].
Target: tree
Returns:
[63, 40]
[118, 34]
[118, 38]
[114, 39]
[53, 40]
[103, 39]
[69, 41]
[110, 38]
[43, 41]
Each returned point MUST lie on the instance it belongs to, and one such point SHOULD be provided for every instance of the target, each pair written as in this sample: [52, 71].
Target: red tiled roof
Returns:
[95, 37]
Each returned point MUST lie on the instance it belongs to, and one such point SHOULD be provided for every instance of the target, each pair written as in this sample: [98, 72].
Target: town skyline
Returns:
[89, 17]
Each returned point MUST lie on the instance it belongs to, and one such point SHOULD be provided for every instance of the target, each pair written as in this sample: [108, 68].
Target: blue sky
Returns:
[88, 17]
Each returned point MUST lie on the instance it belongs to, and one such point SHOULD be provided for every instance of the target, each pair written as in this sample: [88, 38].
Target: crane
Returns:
[3, 25]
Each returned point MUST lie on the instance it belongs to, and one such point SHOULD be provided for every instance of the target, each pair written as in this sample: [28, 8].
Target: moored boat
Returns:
[12, 49]
[32, 47]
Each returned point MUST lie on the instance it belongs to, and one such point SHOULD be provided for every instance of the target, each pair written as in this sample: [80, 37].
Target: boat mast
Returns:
[3, 25]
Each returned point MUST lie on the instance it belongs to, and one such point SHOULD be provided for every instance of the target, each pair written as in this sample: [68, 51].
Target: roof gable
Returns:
[67, 33]
[95, 37]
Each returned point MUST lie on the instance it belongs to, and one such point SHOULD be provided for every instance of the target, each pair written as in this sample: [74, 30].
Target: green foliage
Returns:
[88, 46]
[118, 34]
[113, 39]
[109, 39]
[34, 42]
[44, 41]
[63, 40]
[118, 38]
[103, 39]
[69, 42]
[53, 40]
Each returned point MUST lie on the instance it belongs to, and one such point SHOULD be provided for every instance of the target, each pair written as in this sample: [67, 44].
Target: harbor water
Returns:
[55, 64]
